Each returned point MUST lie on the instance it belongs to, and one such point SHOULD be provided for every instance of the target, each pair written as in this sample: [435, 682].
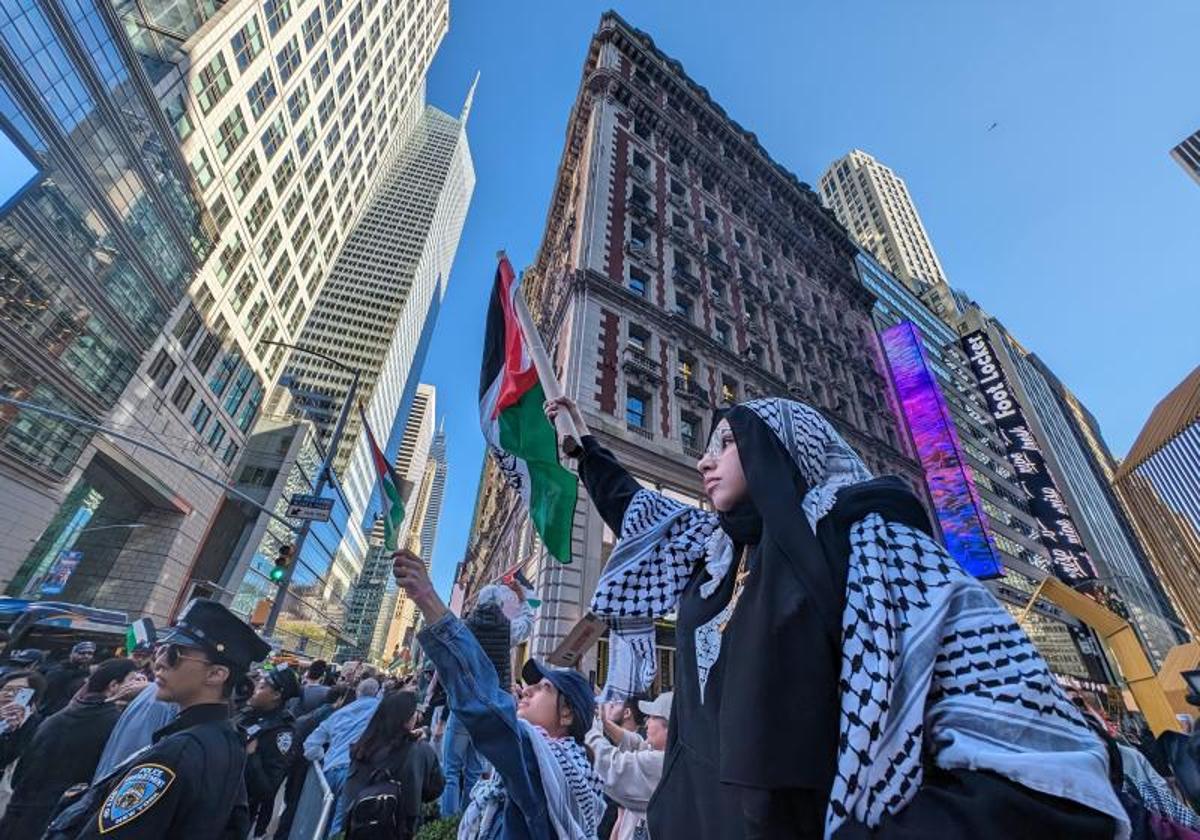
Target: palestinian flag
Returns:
[389, 485]
[519, 437]
[141, 632]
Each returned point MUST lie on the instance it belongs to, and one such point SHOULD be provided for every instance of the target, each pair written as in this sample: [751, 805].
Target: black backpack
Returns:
[377, 812]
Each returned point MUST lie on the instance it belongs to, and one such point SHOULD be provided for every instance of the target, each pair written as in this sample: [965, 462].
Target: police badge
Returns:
[135, 794]
[283, 741]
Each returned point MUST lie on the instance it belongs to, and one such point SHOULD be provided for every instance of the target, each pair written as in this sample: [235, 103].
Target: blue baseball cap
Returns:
[573, 687]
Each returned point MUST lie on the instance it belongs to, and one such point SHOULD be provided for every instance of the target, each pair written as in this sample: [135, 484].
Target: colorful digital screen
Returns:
[956, 503]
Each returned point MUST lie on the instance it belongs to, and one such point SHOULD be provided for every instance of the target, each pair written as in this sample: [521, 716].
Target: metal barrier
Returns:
[314, 808]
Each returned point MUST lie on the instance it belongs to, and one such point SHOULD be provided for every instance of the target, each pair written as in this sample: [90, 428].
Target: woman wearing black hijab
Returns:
[815, 620]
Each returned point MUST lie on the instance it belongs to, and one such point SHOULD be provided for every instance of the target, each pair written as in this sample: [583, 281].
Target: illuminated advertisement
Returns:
[1057, 530]
[956, 503]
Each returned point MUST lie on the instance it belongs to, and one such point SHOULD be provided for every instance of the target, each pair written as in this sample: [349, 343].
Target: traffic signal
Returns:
[282, 560]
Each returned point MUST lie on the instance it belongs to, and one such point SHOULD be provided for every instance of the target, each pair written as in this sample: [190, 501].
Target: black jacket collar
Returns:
[194, 716]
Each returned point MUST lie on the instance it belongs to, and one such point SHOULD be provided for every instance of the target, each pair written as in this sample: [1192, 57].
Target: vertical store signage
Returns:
[955, 500]
[1057, 530]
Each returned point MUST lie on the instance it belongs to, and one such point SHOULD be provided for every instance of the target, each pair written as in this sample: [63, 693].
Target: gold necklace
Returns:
[738, 585]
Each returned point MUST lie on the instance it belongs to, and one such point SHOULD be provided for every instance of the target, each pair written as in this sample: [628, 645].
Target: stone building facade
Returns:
[681, 269]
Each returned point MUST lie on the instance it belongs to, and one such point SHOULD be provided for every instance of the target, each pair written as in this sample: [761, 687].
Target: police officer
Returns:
[189, 783]
[269, 730]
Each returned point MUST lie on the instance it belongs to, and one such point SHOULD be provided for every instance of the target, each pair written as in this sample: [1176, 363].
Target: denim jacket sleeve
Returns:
[488, 712]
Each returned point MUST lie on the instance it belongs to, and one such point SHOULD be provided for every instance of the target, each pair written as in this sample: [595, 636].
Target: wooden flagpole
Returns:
[567, 433]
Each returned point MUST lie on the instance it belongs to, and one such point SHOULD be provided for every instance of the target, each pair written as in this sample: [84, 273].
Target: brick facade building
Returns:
[681, 269]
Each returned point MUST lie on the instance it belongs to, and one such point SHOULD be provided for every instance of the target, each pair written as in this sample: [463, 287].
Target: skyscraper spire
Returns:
[466, 108]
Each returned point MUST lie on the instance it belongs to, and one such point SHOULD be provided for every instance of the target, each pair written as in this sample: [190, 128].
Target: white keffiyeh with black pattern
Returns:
[574, 793]
[933, 667]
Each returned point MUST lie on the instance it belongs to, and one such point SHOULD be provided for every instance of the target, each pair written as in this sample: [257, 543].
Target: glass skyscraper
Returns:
[99, 238]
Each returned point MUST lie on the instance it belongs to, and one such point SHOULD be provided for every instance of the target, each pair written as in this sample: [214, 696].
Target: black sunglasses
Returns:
[172, 655]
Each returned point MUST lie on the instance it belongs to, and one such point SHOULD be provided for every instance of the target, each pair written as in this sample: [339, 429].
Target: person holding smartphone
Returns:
[20, 692]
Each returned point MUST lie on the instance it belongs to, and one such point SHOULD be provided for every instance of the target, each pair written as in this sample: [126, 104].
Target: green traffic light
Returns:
[277, 574]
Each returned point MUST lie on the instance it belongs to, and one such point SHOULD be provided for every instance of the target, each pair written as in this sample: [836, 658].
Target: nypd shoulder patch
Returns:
[283, 741]
[135, 794]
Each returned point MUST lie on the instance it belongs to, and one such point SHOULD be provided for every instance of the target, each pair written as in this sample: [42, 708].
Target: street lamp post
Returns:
[318, 489]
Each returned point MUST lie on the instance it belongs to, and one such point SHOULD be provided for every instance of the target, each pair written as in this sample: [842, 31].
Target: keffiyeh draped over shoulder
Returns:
[933, 668]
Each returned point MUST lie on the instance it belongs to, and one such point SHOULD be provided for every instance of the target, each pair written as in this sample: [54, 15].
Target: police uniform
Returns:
[189, 783]
[273, 731]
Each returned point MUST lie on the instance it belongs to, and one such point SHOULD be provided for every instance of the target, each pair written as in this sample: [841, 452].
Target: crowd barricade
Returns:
[315, 807]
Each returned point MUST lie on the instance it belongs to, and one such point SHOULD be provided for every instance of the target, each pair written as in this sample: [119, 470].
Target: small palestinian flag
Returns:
[519, 436]
[389, 486]
[141, 632]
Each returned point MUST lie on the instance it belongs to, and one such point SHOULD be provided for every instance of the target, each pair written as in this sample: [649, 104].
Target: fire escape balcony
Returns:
[638, 364]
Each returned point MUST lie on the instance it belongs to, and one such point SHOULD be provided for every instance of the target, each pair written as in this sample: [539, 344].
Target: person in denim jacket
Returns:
[544, 786]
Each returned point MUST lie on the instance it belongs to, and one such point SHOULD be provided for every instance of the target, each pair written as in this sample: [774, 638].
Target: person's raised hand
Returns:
[554, 407]
[413, 578]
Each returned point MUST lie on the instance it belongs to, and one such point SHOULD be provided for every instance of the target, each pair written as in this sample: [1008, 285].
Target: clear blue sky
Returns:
[1068, 221]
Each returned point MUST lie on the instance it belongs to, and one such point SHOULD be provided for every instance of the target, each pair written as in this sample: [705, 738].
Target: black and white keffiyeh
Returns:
[574, 793]
[933, 667]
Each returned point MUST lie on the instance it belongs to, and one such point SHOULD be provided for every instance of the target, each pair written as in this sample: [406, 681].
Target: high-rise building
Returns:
[976, 492]
[100, 239]
[681, 268]
[1187, 155]
[378, 309]
[873, 203]
[1159, 481]
[397, 629]
[1091, 544]
[373, 598]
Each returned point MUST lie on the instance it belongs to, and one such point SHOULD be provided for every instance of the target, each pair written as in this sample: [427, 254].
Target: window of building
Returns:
[639, 238]
[332, 9]
[246, 176]
[306, 138]
[186, 327]
[338, 42]
[288, 59]
[729, 390]
[312, 29]
[230, 133]
[161, 369]
[230, 453]
[722, 331]
[639, 338]
[219, 210]
[642, 129]
[176, 112]
[637, 409]
[242, 290]
[270, 243]
[689, 431]
[320, 70]
[182, 397]
[278, 13]
[274, 135]
[298, 101]
[229, 259]
[211, 83]
[640, 161]
[202, 169]
[325, 109]
[718, 289]
[683, 306]
[284, 173]
[257, 215]
[262, 93]
[206, 352]
[679, 222]
[293, 204]
[640, 198]
[200, 416]
[247, 43]
[637, 281]
[356, 18]
[216, 436]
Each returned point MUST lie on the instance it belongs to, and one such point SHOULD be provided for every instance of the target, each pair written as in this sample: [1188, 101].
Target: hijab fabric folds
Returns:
[929, 666]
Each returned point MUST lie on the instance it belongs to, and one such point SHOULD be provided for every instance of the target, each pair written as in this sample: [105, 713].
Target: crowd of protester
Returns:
[544, 753]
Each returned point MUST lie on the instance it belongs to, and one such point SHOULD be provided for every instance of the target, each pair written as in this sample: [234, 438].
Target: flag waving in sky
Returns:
[519, 436]
[389, 485]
